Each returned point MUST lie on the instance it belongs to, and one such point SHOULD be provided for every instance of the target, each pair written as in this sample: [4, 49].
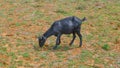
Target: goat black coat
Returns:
[64, 26]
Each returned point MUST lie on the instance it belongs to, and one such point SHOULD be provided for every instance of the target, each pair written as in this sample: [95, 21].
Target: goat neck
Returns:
[48, 33]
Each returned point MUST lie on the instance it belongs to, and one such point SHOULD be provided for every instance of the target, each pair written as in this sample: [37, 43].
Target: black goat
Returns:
[64, 26]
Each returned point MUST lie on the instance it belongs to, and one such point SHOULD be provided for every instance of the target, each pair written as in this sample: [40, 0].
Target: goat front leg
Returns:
[57, 41]
[80, 37]
[74, 36]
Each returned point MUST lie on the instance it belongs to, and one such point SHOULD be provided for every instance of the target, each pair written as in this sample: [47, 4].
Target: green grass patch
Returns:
[1, 64]
[19, 63]
[60, 54]
[12, 66]
[26, 55]
[2, 13]
[65, 48]
[27, 1]
[20, 23]
[10, 19]
[3, 50]
[42, 65]
[85, 55]
[84, 66]
[112, 54]
[61, 11]
[52, 63]
[43, 55]
[12, 54]
[81, 7]
[106, 47]
[98, 60]
[37, 15]
[71, 63]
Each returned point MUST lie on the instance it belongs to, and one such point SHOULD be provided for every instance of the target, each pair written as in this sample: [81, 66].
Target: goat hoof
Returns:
[80, 46]
[54, 48]
[70, 45]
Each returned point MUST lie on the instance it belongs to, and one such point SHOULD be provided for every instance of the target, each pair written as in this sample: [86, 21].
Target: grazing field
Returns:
[22, 21]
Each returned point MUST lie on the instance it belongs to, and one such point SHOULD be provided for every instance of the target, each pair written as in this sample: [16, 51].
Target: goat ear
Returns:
[84, 19]
[41, 38]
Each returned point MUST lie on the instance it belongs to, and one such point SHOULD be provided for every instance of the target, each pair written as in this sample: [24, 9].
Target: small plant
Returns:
[37, 14]
[71, 63]
[66, 48]
[1, 64]
[42, 65]
[61, 11]
[10, 19]
[12, 54]
[80, 7]
[106, 47]
[83, 66]
[26, 1]
[1, 4]
[3, 50]
[112, 54]
[17, 24]
[44, 55]
[59, 54]
[19, 63]
[20, 23]
[98, 60]
[13, 66]
[2, 13]
[86, 54]
[26, 55]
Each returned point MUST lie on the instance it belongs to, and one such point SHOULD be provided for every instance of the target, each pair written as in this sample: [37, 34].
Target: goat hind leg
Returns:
[80, 37]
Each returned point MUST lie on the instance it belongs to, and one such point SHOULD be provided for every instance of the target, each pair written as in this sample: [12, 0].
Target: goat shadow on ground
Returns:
[50, 48]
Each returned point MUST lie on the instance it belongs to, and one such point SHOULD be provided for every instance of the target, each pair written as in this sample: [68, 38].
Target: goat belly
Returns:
[66, 31]
[63, 30]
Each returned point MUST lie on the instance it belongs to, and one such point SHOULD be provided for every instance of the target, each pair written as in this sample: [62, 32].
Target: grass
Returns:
[3, 50]
[85, 55]
[1, 64]
[30, 18]
[59, 55]
[84, 66]
[26, 55]
[106, 47]
[71, 63]
[44, 55]
[20, 23]
[98, 60]
[61, 11]
[19, 63]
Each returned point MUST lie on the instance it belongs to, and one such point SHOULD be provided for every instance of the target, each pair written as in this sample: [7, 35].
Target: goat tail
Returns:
[84, 19]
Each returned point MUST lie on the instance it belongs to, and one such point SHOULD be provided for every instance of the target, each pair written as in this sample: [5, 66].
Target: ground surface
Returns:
[21, 21]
